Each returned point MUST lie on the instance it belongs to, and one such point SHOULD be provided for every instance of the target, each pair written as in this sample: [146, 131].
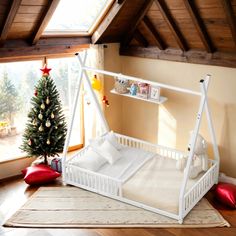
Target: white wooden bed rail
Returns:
[200, 188]
[155, 148]
[92, 181]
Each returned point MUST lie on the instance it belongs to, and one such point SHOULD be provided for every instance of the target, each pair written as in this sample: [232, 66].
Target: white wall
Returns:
[170, 123]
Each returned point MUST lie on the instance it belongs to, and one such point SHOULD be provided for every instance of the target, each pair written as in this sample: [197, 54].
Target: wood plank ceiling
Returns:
[22, 23]
[195, 31]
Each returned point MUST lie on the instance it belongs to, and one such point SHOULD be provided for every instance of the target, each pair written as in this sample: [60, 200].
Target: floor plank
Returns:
[14, 193]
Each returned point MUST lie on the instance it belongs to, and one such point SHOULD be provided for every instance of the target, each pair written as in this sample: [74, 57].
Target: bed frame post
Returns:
[94, 97]
[204, 86]
[70, 126]
[211, 130]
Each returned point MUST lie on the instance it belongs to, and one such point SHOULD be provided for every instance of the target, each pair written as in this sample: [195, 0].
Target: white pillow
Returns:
[113, 140]
[109, 152]
[96, 142]
[91, 160]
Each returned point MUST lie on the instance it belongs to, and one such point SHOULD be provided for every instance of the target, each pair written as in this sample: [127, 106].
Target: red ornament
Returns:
[104, 99]
[226, 194]
[107, 103]
[36, 93]
[45, 70]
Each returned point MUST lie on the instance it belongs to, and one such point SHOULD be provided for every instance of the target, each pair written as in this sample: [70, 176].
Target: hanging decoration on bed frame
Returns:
[81, 171]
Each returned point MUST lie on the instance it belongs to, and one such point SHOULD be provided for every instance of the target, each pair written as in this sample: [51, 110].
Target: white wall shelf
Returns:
[162, 99]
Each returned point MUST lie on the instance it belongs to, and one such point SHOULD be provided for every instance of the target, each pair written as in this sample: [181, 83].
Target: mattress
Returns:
[157, 184]
[132, 159]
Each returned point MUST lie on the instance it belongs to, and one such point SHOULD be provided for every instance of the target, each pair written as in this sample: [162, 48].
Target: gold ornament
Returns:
[34, 122]
[42, 106]
[52, 115]
[40, 116]
[48, 142]
[41, 128]
[48, 123]
[47, 101]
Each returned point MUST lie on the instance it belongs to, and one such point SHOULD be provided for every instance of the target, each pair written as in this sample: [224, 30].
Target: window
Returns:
[73, 16]
[17, 81]
[65, 74]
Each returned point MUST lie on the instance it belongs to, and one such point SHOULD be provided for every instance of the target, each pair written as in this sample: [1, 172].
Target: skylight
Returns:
[73, 16]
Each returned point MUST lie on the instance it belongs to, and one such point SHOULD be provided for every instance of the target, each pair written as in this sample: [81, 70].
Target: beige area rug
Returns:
[70, 207]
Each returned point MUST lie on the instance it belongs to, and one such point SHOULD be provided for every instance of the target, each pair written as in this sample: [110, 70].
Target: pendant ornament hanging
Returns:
[40, 116]
[48, 123]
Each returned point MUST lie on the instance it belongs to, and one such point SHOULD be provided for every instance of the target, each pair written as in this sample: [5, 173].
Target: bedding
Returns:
[108, 151]
[157, 184]
[90, 161]
[131, 160]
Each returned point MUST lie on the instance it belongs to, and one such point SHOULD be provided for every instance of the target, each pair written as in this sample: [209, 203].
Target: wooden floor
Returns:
[14, 193]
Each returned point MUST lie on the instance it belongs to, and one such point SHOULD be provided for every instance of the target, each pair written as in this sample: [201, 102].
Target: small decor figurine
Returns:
[121, 85]
[133, 89]
[143, 90]
[96, 83]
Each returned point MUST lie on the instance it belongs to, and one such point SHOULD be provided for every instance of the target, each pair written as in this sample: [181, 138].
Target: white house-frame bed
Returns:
[113, 187]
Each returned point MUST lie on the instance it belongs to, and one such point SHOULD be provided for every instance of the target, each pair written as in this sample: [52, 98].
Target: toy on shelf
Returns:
[143, 90]
[121, 85]
[133, 89]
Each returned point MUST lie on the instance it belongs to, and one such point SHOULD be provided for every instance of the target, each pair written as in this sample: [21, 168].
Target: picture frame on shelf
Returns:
[154, 93]
[143, 90]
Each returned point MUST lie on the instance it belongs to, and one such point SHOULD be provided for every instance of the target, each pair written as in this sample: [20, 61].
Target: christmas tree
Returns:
[45, 131]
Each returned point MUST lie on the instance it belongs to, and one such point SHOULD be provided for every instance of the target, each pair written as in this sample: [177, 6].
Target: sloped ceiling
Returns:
[197, 31]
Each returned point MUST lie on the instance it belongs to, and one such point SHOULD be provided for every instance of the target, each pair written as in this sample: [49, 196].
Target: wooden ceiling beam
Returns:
[191, 56]
[140, 38]
[200, 27]
[21, 49]
[158, 40]
[228, 8]
[114, 12]
[172, 25]
[44, 20]
[9, 20]
[133, 26]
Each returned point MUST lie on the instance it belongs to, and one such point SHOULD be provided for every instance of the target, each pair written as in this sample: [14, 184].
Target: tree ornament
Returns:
[47, 101]
[34, 122]
[42, 106]
[56, 127]
[52, 115]
[48, 142]
[40, 116]
[104, 99]
[30, 142]
[41, 128]
[35, 93]
[107, 103]
[45, 70]
[96, 83]
[48, 123]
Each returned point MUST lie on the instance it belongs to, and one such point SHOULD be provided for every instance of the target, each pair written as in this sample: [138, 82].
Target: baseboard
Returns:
[226, 179]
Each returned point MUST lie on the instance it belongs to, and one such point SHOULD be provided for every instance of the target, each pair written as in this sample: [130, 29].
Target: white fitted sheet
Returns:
[157, 184]
[132, 159]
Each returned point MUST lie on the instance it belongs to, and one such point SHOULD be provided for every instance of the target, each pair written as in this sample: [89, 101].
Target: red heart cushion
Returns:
[226, 194]
[39, 174]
